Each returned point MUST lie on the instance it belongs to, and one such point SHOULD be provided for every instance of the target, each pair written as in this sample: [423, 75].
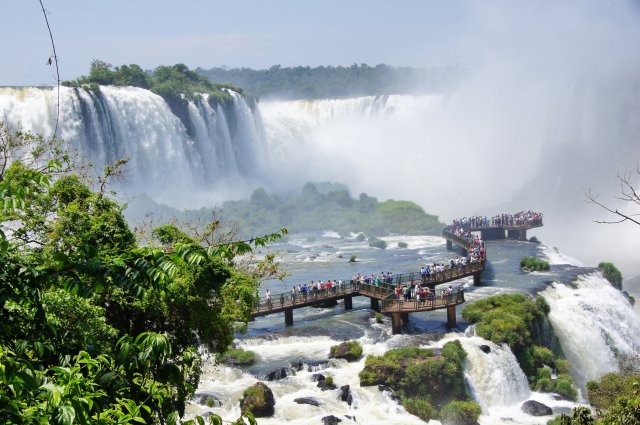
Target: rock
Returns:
[277, 374]
[298, 366]
[259, 400]
[317, 377]
[206, 399]
[345, 394]
[485, 349]
[325, 385]
[349, 350]
[308, 400]
[535, 408]
[315, 366]
[353, 418]
[331, 420]
[392, 395]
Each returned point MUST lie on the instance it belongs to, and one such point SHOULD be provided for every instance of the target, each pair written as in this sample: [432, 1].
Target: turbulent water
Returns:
[580, 299]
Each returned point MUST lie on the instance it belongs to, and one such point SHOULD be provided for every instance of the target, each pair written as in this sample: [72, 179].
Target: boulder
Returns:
[259, 400]
[317, 377]
[308, 400]
[485, 349]
[325, 385]
[277, 374]
[331, 420]
[351, 351]
[392, 395]
[535, 408]
[206, 398]
[345, 394]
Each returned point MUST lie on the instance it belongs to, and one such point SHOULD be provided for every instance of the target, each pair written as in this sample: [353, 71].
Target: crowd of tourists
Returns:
[514, 219]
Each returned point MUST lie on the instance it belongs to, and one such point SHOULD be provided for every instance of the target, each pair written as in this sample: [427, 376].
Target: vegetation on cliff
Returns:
[612, 274]
[426, 381]
[513, 319]
[94, 327]
[533, 264]
[303, 82]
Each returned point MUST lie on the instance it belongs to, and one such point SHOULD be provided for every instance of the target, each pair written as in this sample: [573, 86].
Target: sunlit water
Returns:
[575, 293]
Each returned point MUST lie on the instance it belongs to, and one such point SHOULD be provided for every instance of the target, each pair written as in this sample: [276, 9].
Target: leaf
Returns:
[65, 415]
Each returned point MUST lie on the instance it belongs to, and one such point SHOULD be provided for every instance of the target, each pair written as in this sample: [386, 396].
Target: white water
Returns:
[224, 155]
[594, 323]
[495, 378]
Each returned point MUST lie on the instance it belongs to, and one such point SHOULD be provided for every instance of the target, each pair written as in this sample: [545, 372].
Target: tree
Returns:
[629, 197]
[95, 328]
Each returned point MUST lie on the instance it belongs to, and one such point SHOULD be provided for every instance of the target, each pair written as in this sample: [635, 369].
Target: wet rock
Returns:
[315, 366]
[353, 418]
[277, 374]
[259, 400]
[317, 377]
[345, 394]
[351, 351]
[206, 398]
[308, 400]
[326, 385]
[331, 420]
[535, 408]
[298, 366]
[392, 395]
[485, 349]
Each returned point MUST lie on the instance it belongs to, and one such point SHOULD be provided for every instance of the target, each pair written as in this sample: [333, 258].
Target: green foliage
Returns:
[402, 244]
[329, 380]
[303, 82]
[352, 259]
[239, 357]
[512, 319]
[93, 327]
[350, 350]
[377, 243]
[379, 317]
[602, 394]
[612, 274]
[533, 264]
[460, 413]
[424, 380]
[625, 410]
[579, 416]
[419, 407]
[313, 210]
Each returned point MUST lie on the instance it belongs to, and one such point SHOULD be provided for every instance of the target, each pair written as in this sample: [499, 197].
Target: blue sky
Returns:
[259, 34]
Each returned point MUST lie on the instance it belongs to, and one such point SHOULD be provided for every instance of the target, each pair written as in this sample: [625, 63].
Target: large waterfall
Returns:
[222, 152]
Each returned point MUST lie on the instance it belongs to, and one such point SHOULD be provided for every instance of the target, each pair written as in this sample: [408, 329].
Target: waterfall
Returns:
[494, 377]
[595, 325]
[220, 152]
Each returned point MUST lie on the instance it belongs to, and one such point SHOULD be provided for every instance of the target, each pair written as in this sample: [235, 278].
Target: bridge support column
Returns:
[476, 278]
[464, 252]
[492, 234]
[375, 304]
[396, 323]
[288, 317]
[404, 317]
[449, 245]
[523, 235]
[451, 316]
[348, 302]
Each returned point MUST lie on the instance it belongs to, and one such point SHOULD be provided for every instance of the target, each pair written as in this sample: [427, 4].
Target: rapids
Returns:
[494, 379]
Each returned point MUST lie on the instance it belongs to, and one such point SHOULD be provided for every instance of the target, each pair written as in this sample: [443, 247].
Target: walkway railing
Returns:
[437, 299]
[381, 291]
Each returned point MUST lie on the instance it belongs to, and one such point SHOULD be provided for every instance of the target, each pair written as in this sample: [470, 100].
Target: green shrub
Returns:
[352, 259]
[460, 413]
[377, 243]
[543, 356]
[403, 245]
[419, 407]
[239, 357]
[612, 274]
[533, 263]
[545, 385]
[562, 366]
[361, 237]
[379, 317]
[349, 350]
[329, 380]
[565, 387]
[602, 394]
[544, 373]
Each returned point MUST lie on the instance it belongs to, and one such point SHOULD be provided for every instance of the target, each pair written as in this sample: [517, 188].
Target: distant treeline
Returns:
[303, 82]
[317, 207]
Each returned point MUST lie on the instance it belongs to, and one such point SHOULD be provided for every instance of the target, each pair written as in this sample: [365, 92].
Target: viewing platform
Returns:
[383, 297]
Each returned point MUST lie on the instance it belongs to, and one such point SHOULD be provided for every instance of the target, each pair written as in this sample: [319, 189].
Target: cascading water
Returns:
[223, 152]
[595, 325]
[493, 374]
